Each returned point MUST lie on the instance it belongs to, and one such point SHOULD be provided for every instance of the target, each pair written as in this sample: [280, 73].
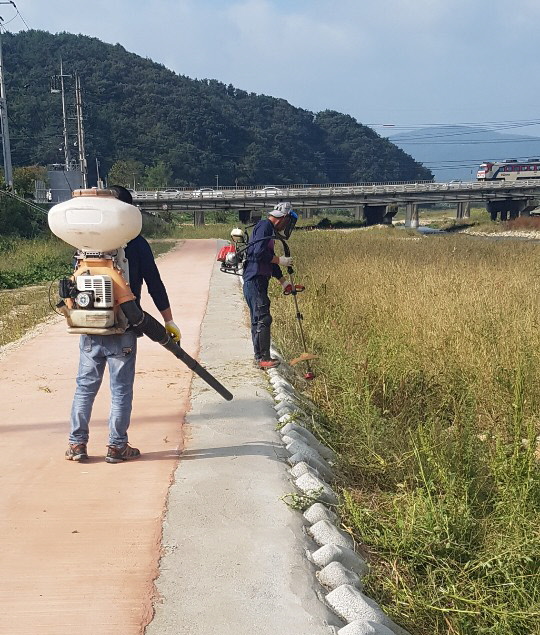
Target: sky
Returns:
[391, 64]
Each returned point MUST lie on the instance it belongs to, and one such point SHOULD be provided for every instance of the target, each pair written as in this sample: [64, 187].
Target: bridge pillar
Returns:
[510, 207]
[411, 215]
[359, 212]
[198, 217]
[463, 209]
[391, 211]
[244, 216]
[374, 214]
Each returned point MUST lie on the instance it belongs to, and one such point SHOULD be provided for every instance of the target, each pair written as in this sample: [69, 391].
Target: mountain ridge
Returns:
[139, 110]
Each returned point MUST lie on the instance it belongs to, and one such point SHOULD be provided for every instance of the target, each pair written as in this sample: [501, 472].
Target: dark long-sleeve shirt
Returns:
[259, 253]
[142, 266]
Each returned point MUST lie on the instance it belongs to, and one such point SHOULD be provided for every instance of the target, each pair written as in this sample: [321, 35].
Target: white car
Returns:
[270, 190]
[206, 192]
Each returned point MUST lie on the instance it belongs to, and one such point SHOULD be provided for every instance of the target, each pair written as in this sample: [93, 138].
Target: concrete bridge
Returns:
[374, 202]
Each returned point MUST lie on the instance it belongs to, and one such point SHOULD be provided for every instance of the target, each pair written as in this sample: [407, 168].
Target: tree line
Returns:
[168, 129]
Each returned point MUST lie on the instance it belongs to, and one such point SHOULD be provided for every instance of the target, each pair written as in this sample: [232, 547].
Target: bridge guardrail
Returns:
[333, 190]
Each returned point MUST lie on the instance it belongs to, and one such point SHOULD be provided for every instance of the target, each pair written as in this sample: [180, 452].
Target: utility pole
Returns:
[8, 170]
[99, 181]
[67, 157]
[80, 132]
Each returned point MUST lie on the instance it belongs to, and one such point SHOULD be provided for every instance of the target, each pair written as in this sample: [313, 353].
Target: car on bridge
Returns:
[270, 190]
[203, 192]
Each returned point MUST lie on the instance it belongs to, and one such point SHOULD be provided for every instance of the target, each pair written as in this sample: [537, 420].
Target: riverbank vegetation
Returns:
[428, 371]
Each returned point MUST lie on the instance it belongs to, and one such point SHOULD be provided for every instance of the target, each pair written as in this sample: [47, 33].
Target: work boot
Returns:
[117, 454]
[76, 452]
[265, 364]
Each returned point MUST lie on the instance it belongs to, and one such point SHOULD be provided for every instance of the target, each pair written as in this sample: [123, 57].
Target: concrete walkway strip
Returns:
[233, 553]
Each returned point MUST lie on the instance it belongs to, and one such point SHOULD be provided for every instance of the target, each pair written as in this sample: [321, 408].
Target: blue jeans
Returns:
[256, 294]
[119, 352]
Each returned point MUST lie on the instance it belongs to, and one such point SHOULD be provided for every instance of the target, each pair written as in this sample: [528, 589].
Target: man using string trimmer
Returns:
[260, 265]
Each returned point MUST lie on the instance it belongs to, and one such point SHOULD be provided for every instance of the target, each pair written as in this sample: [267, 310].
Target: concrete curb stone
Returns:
[326, 533]
[283, 387]
[293, 418]
[290, 408]
[352, 605]
[347, 557]
[317, 512]
[317, 464]
[301, 434]
[335, 574]
[317, 489]
[283, 408]
[283, 395]
[294, 445]
[365, 628]
[302, 468]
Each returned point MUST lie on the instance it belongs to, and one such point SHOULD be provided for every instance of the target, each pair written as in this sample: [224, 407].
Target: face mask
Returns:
[292, 217]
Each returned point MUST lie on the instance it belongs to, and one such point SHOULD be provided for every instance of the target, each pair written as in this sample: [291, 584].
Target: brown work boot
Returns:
[265, 364]
[76, 452]
[117, 454]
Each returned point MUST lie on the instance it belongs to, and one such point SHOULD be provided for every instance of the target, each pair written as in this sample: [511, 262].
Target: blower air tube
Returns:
[145, 324]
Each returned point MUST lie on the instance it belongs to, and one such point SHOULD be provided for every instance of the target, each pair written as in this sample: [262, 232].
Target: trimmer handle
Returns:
[294, 289]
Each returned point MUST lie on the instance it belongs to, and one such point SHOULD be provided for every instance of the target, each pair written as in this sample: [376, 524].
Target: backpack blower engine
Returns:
[97, 299]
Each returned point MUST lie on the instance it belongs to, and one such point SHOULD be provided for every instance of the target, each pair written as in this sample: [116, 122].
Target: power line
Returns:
[531, 122]
[20, 16]
[404, 142]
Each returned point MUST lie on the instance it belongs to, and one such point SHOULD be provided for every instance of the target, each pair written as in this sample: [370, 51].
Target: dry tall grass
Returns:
[429, 367]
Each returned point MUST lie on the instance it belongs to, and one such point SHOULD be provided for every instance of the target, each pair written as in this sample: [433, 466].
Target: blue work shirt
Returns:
[259, 253]
[142, 266]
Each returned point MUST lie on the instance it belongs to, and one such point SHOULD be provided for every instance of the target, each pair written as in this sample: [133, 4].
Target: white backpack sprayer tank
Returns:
[97, 299]
[98, 225]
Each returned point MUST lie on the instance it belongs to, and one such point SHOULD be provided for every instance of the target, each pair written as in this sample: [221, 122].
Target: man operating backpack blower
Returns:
[101, 302]
[260, 265]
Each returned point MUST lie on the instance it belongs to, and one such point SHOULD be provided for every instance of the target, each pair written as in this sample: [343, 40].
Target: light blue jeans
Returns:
[119, 353]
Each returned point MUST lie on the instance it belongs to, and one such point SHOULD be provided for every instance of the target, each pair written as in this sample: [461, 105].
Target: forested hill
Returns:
[137, 109]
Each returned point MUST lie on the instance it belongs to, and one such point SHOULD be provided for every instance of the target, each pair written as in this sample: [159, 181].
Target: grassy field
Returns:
[428, 372]
[25, 262]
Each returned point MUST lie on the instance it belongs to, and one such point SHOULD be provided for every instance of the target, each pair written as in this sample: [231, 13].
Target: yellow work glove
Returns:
[173, 331]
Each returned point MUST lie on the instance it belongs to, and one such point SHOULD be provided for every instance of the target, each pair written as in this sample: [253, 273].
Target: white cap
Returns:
[280, 210]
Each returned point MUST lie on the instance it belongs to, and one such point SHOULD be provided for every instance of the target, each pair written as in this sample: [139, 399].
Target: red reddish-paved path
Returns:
[80, 543]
